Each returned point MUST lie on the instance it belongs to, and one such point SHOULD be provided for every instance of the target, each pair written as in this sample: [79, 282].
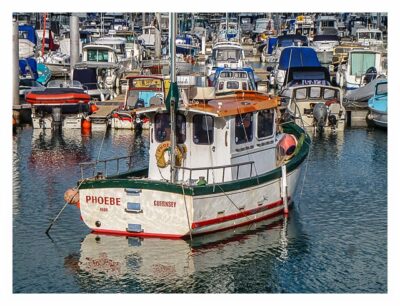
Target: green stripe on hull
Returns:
[123, 181]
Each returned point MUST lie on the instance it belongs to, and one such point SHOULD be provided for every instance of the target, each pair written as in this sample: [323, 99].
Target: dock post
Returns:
[15, 63]
[284, 191]
[74, 41]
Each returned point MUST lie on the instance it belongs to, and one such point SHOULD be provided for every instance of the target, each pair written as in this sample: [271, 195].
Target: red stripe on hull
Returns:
[142, 234]
[236, 215]
[278, 212]
[204, 223]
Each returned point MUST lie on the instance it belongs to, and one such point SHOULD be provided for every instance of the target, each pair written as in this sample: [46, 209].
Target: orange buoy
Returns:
[93, 108]
[287, 145]
[86, 124]
[71, 196]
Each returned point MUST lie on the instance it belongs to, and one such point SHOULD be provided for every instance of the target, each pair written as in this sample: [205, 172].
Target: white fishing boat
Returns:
[142, 91]
[228, 80]
[304, 25]
[226, 54]
[326, 25]
[369, 37]
[231, 164]
[324, 46]
[317, 106]
[363, 65]
[378, 106]
[119, 45]
[104, 59]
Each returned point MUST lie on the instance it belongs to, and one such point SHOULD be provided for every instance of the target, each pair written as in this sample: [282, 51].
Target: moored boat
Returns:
[377, 106]
[143, 91]
[228, 172]
[58, 95]
[213, 165]
[317, 106]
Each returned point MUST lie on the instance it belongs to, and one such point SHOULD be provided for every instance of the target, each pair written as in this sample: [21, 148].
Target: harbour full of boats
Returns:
[228, 135]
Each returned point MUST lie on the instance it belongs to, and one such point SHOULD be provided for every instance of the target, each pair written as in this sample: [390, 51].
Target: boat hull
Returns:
[377, 118]
[158, 213]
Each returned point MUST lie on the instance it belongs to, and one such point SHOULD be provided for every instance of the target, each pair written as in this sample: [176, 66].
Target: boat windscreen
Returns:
[360, 62]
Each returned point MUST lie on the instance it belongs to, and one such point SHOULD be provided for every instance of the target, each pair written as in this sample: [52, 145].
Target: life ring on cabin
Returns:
[180, 153]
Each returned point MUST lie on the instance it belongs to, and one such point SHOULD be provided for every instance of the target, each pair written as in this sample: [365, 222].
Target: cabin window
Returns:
[243, 128]
[97, 55]
[244, 85]
[162, 130]
[221, 85]
[224, 55]
[203, 129]
[301, 94]
[329, 94]
[381, 89]
[265, 123]
[232, 85]
[315, 92]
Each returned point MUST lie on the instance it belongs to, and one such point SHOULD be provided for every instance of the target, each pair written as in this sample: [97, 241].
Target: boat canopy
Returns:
[27, 32]
[291, 40]
[326, 38]
[308, 75]
[272, 41]
[28, 66]
[298, 57]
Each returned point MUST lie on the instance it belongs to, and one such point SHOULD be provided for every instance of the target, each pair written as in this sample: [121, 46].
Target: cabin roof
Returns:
[229, 104]
[98, 46]
[152, 76]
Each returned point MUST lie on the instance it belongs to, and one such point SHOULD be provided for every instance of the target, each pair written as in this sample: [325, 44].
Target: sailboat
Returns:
[231, 164]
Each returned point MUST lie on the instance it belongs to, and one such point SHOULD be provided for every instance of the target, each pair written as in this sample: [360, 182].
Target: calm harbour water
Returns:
[334, 241]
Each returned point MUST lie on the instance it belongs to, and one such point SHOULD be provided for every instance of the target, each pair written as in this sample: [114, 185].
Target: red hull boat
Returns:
[57, 96]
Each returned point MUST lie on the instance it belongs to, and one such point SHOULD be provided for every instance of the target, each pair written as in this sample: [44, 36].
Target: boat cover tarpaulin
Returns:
[27, 64]
[326, 38]
[289, 40]
[363, 93]
[298, 57]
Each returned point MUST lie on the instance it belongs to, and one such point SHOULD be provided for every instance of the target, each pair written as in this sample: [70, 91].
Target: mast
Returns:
[44, 33]
[172, 56]
[226, 26]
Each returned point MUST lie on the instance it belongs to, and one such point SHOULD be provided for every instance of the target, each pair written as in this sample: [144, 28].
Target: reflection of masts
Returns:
[283, 241]
[172, 54]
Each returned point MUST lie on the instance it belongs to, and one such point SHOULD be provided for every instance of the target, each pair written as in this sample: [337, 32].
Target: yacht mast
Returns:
[172, 56]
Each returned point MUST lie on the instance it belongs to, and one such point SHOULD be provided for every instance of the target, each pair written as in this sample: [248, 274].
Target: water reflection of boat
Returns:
[161, 260]
[53, 150]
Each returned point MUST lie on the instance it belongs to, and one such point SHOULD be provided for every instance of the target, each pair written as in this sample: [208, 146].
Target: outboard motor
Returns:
[320, 113]
[370, 75]
[332, 120]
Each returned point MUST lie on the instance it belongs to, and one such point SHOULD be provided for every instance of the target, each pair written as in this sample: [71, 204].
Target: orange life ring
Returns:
[180, 152]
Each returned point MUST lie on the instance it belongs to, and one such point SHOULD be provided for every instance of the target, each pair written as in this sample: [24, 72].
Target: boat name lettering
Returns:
[164, 203]
[103, 200]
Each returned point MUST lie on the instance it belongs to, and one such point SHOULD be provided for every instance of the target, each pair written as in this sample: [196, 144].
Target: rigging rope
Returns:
[187, 213]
